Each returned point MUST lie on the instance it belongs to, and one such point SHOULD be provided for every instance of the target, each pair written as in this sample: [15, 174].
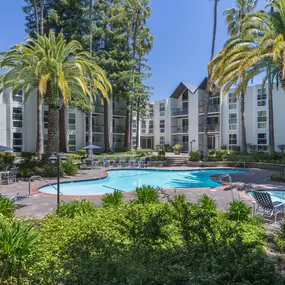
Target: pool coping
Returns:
[35, 190]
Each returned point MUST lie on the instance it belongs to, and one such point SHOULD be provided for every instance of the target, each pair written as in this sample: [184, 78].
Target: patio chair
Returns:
[126, 162]
[147, 161]
[264, 201]
[117, 161]
[10, 176]
[137, 162]
[106, 162]
[88, 163]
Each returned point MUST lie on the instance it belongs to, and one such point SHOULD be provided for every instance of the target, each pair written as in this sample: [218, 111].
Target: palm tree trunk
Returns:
[207, 93]
[42, 17]
[62, 131]
[90, 131]
[53, 131]
[243, 129]
[270, 115]
[106, 126]
[138, 123]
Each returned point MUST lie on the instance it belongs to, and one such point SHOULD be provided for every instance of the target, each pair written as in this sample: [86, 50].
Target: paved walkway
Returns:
[37, 206]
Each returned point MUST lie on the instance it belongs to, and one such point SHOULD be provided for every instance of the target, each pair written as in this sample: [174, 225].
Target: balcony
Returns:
[179, 112]
[118, 145]
[214, 128]
[179, 130]
[98, 109]
[118, 129]
[119, 112]
[96, 128]
[212, 108]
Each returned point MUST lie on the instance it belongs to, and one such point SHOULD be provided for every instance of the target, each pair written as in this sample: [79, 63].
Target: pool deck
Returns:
[39, 204]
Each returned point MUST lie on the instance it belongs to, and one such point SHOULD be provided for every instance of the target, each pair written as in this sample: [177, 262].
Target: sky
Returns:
[182, 30]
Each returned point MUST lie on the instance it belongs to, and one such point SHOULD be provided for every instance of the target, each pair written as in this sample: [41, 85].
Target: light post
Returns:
[56, 158]
[191, 144]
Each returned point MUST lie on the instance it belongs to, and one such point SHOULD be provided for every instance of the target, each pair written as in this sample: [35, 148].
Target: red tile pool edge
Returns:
[35, 190]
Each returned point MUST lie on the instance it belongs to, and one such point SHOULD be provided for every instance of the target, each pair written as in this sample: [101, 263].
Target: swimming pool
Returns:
[128, 179]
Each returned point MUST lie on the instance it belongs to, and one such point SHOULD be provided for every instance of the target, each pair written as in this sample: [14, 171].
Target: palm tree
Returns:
[59, 70]
[207, 93]
[234, 17]
[260, 48]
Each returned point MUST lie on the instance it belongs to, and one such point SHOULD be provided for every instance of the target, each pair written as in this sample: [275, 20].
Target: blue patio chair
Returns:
[106, 162]
[138, 162]
[126, 162]
[147, 161]
[264, 201]
[10, 176]
[117, 161]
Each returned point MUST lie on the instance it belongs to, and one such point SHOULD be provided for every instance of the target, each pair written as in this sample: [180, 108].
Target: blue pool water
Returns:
[128, 180]
[276, 195]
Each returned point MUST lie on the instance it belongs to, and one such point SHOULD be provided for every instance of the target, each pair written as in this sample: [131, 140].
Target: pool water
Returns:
[127, 180]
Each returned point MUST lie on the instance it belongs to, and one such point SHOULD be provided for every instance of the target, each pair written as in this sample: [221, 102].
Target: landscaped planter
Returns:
[177, 151]
[158, 163]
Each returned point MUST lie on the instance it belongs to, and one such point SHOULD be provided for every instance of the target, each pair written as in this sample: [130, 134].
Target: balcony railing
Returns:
[118, 130]
[119, 112]
[179, 129]
[179, 112]
[185, 145]
[118, 145]
[212, 108]
[96, 128]
[98, 109]
[211, 128]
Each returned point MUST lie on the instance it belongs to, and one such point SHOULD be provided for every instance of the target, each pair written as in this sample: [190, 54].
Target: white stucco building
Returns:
[177, 119]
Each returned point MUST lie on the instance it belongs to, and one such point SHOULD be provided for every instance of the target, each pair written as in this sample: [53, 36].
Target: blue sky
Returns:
[182, 31]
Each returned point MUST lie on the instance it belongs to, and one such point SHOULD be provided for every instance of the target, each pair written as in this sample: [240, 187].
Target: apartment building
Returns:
[180, 118]
[177, 119]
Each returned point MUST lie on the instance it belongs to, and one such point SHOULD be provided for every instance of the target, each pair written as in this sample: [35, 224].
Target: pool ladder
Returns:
[37, 177]
[221, 177]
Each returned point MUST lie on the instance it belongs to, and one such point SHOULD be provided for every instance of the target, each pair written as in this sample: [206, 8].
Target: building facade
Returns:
[177, 119]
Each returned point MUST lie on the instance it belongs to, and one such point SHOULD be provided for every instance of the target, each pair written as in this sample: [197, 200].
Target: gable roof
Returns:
[191, 88]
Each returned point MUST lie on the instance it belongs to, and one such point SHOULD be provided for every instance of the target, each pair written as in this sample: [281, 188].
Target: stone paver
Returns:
[37, 206]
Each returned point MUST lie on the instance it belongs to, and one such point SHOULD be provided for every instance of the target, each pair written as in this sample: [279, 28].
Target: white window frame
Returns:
[232, 101]
[232, 138]
[232, 121]
[260, 146]
[162, 141]
[72, 147]
[162, 109]
[17, 117]
[261, 123]
[162, 126]
[72, 126]
[20, 146]
[261, 98]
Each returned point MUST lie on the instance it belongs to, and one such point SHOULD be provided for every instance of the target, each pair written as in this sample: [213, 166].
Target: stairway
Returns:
[176, 161]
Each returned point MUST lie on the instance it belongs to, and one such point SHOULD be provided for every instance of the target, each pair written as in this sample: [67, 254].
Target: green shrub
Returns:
[252, 147]
[28, 156]
[224, 147]
[207, 203]
[7, 207]
[167, 148]
[195, 155]
[68, 168]
[216, 155]
[281, 147]
[161, 152]
[119, 149]
[260, 156]
[239, 211]
[75, 208]
[235, 148]
[278, 177]
[113, 199]
[143, 152]
[158, 158]
[177, 146]
[147, 194]
[7, 157]
[82, 153]
[279, 237]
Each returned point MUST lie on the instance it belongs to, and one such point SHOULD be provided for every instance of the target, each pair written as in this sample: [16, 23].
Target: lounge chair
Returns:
[117, 161]
[126, 162]
[147, 161]
[106, 162]
[10, 176]
[264, 201]
[137, 162]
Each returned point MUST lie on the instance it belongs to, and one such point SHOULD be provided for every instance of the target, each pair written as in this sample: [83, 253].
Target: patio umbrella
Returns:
[91, 146]
[5, 148]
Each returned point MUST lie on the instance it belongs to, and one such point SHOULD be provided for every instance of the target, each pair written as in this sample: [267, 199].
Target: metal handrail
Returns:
[38, 177]
[230, 181]
[239, 163]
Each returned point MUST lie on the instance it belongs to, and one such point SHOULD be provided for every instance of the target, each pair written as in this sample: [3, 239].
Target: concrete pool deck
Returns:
[39, 205]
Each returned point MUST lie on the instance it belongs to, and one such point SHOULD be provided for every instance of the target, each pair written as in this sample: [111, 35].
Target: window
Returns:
[232, 121]
[151, 110]
[162, 141]
[162, 126]
[185, 96]
[150, 126]
[18, 97]
[162, 109]
[143, 124]
[45, 119]
[71, 121]
[262, 141]
[134, 130]
[232, 101]
[17, 117]
[72, 143]
[261, 119]
[143, 131]
[232, 139]
[261, 97]
[17, 142]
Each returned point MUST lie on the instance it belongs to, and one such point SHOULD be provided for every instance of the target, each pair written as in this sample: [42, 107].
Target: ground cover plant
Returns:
[144, 241]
